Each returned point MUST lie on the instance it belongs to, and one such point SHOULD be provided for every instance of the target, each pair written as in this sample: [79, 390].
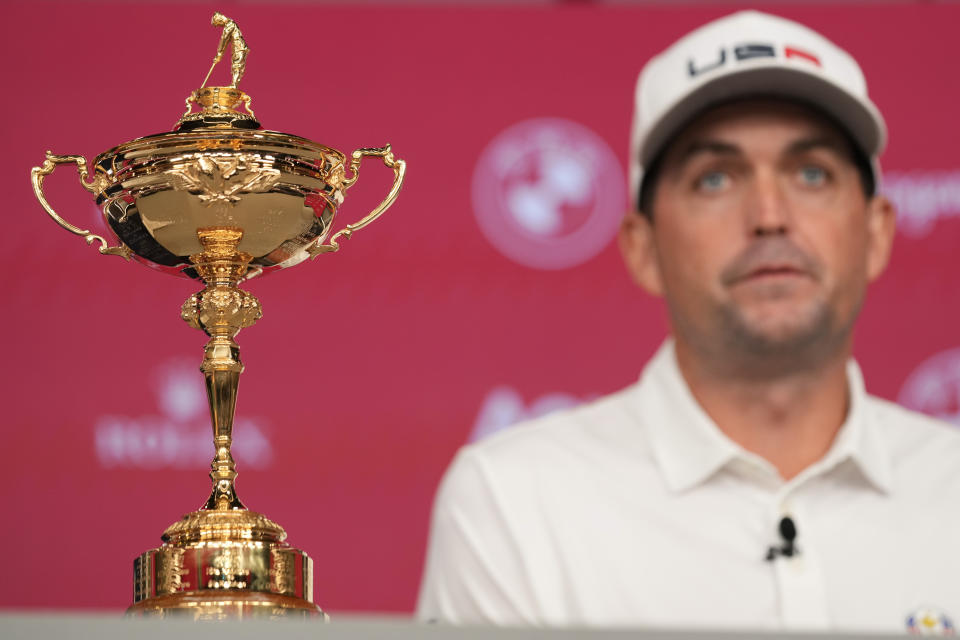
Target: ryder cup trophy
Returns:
[221, 200]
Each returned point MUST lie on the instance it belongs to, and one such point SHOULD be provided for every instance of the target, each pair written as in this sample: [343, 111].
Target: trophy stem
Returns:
[222, 397]
[221, 310]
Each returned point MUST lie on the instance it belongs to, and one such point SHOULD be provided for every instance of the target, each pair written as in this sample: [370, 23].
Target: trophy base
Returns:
[231, 605]
[224, 563]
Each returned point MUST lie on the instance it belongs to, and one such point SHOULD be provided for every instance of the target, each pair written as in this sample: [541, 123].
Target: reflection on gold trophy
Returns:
[221, 200]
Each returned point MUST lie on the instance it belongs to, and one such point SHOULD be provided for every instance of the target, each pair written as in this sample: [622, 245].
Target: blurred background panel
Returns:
[492, 291]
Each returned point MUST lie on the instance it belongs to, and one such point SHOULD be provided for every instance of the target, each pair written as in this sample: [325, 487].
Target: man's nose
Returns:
[768, 212]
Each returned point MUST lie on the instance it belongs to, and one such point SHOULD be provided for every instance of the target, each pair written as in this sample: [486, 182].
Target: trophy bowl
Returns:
[221, 200]
[282, 190]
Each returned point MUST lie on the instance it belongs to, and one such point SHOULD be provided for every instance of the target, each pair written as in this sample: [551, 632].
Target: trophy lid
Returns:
[219, 108]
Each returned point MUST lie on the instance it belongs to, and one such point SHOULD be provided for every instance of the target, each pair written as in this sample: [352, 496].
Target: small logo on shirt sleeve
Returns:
[930, 622]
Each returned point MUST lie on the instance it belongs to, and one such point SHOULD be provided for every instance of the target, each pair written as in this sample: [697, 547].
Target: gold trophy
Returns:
[221, 200]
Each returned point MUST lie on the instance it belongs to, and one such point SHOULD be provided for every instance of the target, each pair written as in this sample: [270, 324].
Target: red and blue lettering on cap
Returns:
[749, 51]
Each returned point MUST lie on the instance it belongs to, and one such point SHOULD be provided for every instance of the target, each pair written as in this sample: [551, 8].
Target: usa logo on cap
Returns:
[930, 622]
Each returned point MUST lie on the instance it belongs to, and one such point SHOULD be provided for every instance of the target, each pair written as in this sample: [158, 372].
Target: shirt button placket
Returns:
[799, 578]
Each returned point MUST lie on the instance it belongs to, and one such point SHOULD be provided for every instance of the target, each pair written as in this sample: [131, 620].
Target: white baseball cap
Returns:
[749, 54]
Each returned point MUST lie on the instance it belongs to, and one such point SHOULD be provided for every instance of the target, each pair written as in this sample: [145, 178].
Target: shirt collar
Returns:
[860, 439]
[690, 448]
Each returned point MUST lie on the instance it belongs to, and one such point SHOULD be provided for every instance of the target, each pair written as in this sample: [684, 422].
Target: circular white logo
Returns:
[548, 193]
[934, 386]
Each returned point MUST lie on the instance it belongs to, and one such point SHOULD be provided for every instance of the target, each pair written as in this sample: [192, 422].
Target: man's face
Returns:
[762, 237]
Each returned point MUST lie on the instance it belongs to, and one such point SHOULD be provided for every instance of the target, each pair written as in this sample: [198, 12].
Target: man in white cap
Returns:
[747, 480]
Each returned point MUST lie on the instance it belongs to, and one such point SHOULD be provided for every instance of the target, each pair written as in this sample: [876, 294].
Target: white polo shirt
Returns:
[636, 510]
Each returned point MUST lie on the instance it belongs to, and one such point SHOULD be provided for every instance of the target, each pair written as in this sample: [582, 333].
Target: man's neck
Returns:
[790, 419]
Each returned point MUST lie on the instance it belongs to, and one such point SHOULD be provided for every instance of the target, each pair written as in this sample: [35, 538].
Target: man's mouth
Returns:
[771, 260]
[777, 274]
[774, 271]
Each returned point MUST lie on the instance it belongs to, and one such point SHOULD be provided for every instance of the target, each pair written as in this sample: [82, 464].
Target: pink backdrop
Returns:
[451, 316]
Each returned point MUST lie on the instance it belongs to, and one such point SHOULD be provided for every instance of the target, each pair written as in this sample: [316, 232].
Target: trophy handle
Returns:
[37, 174]
[399, 170]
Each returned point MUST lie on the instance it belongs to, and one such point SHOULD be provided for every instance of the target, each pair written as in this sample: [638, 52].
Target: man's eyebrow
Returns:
[825, 142]
[716, 147]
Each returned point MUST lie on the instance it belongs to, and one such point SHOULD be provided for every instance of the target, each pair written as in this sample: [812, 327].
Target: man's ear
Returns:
[881, 228]
[639, 249]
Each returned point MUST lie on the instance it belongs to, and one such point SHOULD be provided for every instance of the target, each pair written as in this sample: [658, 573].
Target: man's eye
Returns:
[813, 176]
[713, 181]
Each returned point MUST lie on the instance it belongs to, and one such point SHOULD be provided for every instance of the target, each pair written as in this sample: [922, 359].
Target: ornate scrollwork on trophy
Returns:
[222, 179]
[228, 569]
[282, 572]
[219, 106]
[95, 186]
[221, 309]
[170, 569]
[233, 309]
